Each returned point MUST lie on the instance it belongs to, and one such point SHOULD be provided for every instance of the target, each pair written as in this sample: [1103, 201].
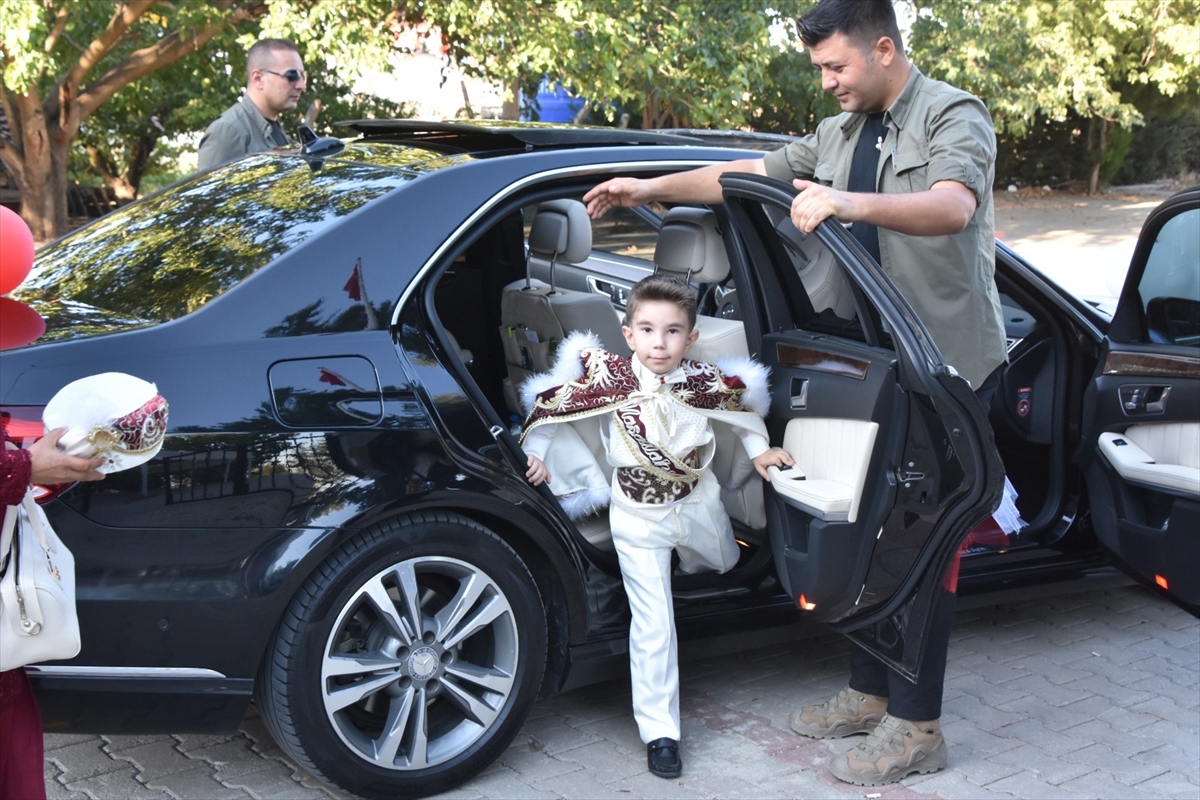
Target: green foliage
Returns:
[1056, 62]
[681, 64]
[123, 137]
[793, 101]
[1027, 58]
[1167, 147]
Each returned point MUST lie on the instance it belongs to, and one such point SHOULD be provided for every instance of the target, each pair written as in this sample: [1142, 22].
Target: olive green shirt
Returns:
[934, 132]
[241, 129]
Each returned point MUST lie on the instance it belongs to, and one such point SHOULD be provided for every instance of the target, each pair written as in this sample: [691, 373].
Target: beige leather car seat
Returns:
[690, 246]
[535, 316]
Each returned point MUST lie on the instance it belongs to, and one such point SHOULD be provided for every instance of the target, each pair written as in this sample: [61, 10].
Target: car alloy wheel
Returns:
[420, 662]
[409, 660]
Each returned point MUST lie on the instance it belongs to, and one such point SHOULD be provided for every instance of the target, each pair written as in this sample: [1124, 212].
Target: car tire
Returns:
[362, 699]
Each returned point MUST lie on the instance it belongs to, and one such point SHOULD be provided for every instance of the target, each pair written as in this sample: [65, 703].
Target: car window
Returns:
[1170, 285]
[625, 232]
[823, 279]
[170, 254]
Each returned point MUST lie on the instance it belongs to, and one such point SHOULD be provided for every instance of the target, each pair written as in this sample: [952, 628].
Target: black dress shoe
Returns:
[662, 756]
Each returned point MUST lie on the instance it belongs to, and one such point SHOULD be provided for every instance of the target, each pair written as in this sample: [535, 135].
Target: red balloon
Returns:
[16, 250]
[19, 324]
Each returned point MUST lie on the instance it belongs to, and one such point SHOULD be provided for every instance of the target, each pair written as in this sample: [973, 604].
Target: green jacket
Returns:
[241, 129]
[935, 132]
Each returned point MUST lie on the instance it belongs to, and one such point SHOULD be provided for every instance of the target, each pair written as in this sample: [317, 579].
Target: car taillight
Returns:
[24, 427]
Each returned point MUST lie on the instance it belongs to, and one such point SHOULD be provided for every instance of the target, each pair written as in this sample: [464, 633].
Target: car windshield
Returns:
[169, 254]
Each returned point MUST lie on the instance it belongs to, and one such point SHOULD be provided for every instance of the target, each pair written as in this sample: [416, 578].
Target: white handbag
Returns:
[37, 590]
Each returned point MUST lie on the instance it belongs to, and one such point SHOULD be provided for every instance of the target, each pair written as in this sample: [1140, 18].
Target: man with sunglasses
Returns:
[274, 80]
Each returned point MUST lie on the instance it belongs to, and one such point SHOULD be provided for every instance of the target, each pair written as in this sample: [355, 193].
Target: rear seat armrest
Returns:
[1137, 466]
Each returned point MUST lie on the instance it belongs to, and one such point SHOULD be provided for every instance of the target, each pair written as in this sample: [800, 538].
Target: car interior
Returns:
[538, 274]
[1142, 438]
[543, 269]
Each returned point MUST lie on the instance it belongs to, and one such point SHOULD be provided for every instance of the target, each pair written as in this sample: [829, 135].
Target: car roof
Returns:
[481, 137]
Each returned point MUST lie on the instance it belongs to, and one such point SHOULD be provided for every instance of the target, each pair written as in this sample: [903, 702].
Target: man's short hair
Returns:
[663, 287]
[260, 55]
[863, 22]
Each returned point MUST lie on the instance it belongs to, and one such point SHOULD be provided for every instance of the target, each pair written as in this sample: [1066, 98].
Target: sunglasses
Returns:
[292, 75]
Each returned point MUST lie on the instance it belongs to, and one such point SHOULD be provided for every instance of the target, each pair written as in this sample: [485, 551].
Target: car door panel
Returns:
[1141, 452]
[830, 398]
[912, 454]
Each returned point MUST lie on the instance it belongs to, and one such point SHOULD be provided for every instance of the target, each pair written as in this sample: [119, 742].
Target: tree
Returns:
[141, 132]
[1088, 59]
[689, 63]
[126, 139]
[793, 102]
[61, 61]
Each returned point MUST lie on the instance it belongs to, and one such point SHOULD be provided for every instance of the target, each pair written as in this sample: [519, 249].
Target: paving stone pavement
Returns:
[1080, 696]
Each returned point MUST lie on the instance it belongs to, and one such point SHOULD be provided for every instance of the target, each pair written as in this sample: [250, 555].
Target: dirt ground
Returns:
[1083, 243]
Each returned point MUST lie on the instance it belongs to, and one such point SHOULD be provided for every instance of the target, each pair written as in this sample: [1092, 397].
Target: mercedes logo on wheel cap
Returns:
[423, 663]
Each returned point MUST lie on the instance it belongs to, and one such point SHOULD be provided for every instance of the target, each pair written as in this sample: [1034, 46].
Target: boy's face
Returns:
[659, 335]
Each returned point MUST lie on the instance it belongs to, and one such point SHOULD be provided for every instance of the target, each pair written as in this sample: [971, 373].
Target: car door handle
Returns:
[1160, 405]
[799, 393]
[1143, 399]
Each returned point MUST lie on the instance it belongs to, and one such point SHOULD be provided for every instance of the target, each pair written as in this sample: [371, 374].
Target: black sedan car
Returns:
[338, 526]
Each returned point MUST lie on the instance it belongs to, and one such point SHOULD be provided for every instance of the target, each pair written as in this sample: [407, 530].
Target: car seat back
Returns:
[690, 246]
[535, 317]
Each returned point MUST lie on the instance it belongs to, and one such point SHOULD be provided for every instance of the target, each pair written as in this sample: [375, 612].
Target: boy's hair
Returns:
[863, 22]
[261, 53]
[664, 287]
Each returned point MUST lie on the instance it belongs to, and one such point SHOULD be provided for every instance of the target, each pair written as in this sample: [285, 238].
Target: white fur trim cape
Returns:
[588, 382]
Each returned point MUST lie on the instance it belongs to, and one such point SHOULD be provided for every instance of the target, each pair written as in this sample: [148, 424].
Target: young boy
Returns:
[658, 437]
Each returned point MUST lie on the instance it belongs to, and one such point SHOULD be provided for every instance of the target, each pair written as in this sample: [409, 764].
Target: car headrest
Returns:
[689, 242]
[561, 230]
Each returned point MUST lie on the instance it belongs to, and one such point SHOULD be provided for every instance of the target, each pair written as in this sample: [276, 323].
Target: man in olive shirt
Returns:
[274, 80]
[910, 163]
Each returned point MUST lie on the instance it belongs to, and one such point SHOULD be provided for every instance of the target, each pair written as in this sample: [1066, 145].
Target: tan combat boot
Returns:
[847, 713]
[895, 749]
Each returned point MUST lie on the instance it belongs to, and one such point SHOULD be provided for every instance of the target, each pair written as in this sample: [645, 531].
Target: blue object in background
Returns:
[555, 103]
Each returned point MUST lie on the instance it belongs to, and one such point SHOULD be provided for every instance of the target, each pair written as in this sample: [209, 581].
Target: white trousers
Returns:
[698, 529]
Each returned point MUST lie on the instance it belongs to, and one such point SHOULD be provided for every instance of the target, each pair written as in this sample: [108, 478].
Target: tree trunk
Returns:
[40, 157]
[124, 185]
[1098, 159]
[39, 208]
[512, 107]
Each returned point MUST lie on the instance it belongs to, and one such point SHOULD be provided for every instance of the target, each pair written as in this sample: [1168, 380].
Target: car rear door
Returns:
[897, 457]
[1141, 448]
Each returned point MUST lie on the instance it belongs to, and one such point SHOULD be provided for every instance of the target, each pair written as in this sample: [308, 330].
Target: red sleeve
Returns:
[15, 467]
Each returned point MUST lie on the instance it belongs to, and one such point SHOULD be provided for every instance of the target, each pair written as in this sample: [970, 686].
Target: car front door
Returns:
[1141, 449]
[895, 459]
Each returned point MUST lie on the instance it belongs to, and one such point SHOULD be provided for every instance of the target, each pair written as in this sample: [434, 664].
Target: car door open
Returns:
[895, 460]
[1141, 451]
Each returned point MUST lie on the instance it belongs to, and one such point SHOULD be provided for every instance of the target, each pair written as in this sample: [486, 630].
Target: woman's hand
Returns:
[48, 464]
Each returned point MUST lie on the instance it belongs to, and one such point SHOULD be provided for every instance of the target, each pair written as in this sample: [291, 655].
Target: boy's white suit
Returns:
[658, 440]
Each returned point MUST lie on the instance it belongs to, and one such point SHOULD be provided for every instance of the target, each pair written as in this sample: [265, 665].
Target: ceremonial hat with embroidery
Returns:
[113, 415]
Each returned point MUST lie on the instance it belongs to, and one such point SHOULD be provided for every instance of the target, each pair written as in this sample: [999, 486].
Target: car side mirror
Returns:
[1173, 320]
